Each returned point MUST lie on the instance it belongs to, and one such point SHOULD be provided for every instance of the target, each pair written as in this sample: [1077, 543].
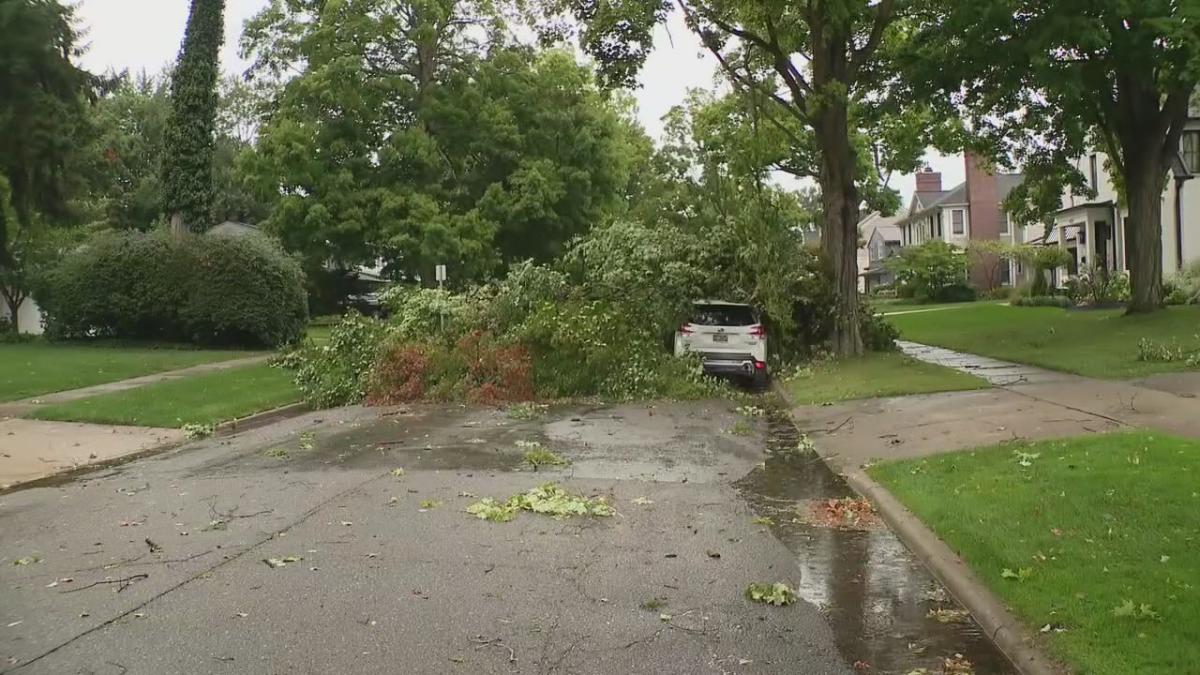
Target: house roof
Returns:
[886, 226]
[928, 201]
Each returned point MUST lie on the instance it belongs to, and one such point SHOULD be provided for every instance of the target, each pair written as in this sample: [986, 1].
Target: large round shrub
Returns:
[210, 290]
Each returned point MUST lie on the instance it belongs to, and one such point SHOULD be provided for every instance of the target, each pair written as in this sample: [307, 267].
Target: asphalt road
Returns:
[159, 565]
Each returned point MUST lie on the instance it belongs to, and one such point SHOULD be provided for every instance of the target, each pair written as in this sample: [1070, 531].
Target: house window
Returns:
[1190, 151]
[1004, 228]
[958, 218]
[1095, 173]
[1005, 274]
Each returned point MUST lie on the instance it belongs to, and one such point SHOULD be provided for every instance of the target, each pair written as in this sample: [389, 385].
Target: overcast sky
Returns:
[145, 34]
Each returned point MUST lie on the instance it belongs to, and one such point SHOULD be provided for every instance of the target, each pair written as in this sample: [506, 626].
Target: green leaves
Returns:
[1140, 612]
[548, 499]
[1021, 575]
[778, 594]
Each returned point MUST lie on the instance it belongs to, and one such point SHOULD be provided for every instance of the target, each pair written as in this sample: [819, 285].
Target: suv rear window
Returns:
[723, 315]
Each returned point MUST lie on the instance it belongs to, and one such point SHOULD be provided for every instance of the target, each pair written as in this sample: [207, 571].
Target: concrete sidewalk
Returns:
[1026, 403]
[25, 406]
[33, 449]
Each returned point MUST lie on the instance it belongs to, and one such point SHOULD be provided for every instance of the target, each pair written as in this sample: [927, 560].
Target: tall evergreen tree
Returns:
[187, 164]
[43, 105]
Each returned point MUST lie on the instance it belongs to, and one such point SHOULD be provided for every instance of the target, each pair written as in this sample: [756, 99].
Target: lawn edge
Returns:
[1003, 627]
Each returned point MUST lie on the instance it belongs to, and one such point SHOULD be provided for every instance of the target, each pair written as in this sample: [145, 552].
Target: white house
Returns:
[1096, 231]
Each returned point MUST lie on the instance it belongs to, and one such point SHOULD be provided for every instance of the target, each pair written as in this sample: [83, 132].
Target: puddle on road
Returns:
[874, 593]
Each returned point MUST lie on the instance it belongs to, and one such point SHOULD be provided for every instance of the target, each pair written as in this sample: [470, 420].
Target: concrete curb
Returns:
[1005, 630]
[261, 419]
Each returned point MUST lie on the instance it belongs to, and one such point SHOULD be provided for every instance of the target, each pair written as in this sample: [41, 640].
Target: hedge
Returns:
[208, 290]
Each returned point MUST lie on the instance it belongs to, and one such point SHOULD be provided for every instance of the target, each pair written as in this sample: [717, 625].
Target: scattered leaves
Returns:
[307, 440]
[1026, 458]
[277, 453]
[548, 499]
[526, 411]
[750, 411]
[763, 520]
[1141, 612]
[1021, 575]
[642, 501]
[215, 525]
[537, 455]
[946, 615]
[430, 504]
[957, 665]
[847, 512]
[397, 472]
[193, 431]
[777, 594]
[28, 560]
[281, 562]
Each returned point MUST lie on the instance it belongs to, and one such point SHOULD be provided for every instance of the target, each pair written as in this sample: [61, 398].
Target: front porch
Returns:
[1088, 232]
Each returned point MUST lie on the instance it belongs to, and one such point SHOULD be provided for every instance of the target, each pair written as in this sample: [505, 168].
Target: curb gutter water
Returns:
[1005, 630]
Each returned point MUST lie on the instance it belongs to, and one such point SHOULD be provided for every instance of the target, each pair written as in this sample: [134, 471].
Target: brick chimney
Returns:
[986, 213]
[929, 181]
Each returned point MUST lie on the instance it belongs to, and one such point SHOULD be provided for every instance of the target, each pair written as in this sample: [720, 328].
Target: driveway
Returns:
[159, 565]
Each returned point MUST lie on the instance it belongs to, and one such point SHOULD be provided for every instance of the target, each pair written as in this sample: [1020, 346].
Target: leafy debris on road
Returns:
[642, 501]
[537, 455]
[215, 525]
[750, 411]
[957, 665]
[277, 453]
[548, 499]
[526, 411]
[763, 520]
[947, 615]
[427, 504]
[397, 472]
[654, 604]
[844, 513]
[28, 560]
[275, 563]
[307, 440]
[777, 594]
[193, 431]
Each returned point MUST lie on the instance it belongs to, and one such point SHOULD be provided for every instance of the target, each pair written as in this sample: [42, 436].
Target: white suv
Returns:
[729, 338]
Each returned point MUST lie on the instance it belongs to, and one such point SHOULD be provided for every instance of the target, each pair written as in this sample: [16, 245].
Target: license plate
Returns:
[720, 338]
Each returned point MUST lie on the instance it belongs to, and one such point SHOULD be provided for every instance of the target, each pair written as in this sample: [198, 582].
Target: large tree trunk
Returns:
[839, 195]
[14, 303]
[1144, 188]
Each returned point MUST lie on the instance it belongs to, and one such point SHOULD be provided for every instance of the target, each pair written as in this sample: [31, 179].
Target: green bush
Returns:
[207, 290]
[1185, 286]
[337, 372]
[1042, 301]
[934, 272]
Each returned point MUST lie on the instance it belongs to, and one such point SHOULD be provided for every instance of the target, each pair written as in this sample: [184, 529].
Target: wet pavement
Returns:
[878, 598]
[157, 566]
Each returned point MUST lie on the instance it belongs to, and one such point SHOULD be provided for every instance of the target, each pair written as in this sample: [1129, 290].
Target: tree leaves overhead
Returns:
[414, 133]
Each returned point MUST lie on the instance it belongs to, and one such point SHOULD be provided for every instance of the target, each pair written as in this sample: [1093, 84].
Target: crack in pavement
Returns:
[299, 521]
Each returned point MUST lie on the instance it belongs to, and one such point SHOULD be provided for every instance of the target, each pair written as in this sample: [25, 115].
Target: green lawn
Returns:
[37, 368]
[1088, 527]
[208, 398]
[875, 375]
[910, 306]
[1094, 343]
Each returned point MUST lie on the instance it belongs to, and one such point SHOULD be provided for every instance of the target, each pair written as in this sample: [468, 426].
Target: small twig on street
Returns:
[114, 663]
[844, 423]
[124, 581]
[154, 548]
[480, 643]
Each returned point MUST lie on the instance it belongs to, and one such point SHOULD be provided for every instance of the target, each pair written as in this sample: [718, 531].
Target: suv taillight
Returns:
[758, 331]
[686, 329]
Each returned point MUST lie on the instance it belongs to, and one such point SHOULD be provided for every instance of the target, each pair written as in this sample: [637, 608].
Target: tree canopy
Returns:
[406, 137]
[1043, 83]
